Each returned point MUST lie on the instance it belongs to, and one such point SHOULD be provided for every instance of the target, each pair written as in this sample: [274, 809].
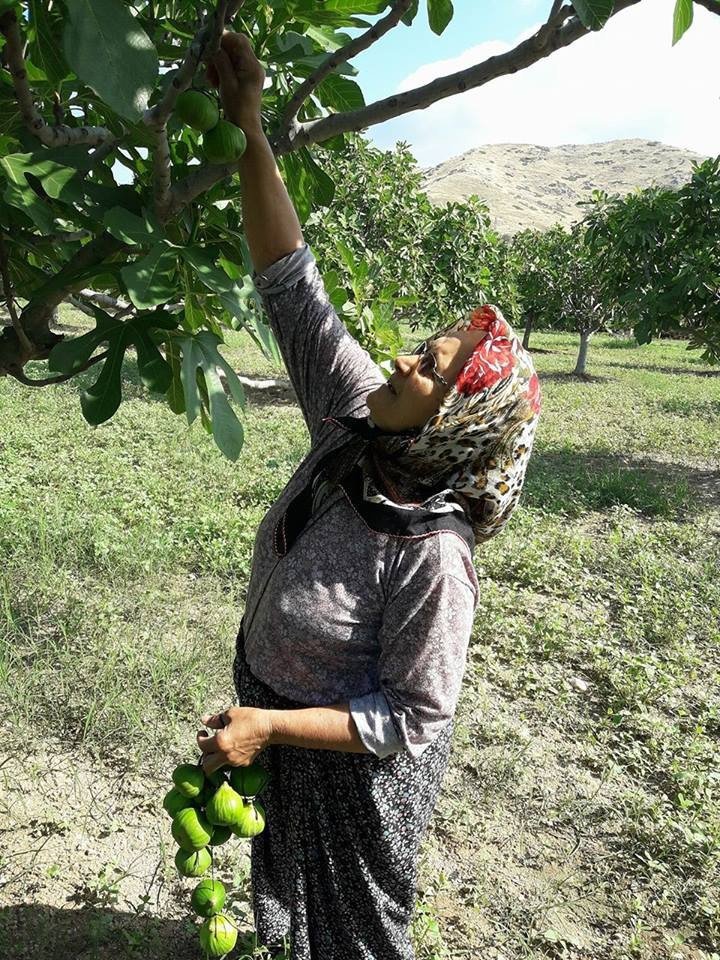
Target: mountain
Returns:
[525, 185]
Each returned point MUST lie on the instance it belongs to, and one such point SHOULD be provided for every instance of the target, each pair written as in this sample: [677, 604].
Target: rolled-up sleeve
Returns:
[424, 639]
[329, 370]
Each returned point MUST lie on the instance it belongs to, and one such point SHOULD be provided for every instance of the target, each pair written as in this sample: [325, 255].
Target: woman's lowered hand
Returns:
[242, 732]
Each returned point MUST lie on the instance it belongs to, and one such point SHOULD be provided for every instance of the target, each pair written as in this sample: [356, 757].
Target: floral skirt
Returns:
[334, 872]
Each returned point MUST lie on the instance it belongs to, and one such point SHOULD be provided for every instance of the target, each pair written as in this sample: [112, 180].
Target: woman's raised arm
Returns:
[270, 222]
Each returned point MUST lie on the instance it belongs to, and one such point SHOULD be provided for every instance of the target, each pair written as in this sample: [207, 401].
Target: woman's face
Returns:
[410, 397]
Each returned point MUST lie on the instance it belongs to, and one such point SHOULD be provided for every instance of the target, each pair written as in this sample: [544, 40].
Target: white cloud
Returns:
[625, 81]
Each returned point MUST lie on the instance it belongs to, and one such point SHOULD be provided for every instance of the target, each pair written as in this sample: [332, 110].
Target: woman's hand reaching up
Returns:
[242, 733]
[240, 77]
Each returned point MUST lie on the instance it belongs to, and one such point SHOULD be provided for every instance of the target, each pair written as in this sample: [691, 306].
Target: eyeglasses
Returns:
[428, 363]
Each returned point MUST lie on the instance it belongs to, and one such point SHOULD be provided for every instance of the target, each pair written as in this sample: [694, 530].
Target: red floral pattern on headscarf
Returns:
[493, 357]
[533, 393]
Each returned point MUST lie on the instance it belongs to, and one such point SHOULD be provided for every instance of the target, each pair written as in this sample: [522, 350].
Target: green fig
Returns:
[251, 820]
[218, 935]
[198, 110]
[191, 829]
[224, 807]
[188, 779]
[174, 802]
[220, 835]
[193, 864]
[225, 143]
[249, 781]
[208, 898]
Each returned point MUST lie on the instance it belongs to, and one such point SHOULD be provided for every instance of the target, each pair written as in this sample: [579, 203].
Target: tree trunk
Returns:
[529, 320]
[579, 370]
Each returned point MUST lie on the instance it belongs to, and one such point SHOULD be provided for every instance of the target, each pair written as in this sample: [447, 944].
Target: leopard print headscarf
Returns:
[479, 442]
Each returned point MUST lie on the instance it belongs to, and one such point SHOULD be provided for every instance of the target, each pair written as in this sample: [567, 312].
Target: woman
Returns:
[360, 604]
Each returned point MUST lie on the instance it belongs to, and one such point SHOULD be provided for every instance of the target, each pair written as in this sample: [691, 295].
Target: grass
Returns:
[581, 813]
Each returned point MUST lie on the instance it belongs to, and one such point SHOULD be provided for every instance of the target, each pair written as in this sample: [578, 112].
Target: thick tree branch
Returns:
[550, 37]
[526, 53]
[712, 5]
[342, 55]
[59, 135]
[10, 298]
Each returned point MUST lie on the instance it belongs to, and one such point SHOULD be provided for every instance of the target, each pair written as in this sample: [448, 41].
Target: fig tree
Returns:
[225, 143]
[198, 110]
[218, 935]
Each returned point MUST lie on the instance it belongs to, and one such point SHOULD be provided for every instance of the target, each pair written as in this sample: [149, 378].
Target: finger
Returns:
[237, 47]
[225, 69]
[206, 743]
[212, 762]
[215, 720]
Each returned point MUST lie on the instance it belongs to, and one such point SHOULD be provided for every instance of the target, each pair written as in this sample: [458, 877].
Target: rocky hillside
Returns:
[530, 186]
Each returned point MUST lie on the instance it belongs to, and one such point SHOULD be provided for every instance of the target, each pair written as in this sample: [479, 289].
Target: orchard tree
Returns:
[383, 245]
[657, 252]
[560, 287]
[160, 263]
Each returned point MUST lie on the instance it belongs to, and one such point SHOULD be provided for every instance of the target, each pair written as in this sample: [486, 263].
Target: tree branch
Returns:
[204, 45]
[10, 299]
[341, 56]
[59, 135]
[712, 5]
[550, 37]
[526, 53]
[19, 375]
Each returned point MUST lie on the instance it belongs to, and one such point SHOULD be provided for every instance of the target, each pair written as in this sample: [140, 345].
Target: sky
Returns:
[624, 81]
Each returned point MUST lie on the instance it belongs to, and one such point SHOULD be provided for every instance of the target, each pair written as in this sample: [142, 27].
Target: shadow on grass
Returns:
[658, 368]
[40, 932]
[572, 482]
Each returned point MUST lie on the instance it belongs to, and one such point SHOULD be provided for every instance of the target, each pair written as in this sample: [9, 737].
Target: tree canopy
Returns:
[160, 263]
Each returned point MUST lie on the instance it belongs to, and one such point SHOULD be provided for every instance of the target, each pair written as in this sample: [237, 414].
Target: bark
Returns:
[579, 370]
[529, 320]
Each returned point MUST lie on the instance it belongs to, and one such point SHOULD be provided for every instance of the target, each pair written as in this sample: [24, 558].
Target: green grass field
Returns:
[580, 817]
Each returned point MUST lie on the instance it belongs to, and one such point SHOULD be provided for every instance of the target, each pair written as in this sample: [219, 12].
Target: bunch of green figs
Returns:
[206, 811]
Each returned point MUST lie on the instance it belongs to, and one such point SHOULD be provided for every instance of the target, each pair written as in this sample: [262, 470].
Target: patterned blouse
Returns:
[349, 614]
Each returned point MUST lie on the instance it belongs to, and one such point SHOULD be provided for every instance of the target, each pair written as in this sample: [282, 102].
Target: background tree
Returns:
[88, 86]
[657, 252]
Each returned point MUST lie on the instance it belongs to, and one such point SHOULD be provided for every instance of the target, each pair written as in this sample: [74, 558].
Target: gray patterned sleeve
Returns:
[329, 370]
[424, 639]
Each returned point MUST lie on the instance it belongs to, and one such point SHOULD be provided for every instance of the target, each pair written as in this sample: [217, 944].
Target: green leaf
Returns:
[682, 18]
[130, 229]
[200, 357]
[152, 279]
[47, 52]
[340, 94]
[175, 394]
[110, 52]
[593, 13]
[100, 401]
[408, 17]
[233, 297]
[51, 175]
[440, 13]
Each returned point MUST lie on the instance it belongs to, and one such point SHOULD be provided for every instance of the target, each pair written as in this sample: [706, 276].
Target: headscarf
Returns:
[479, 442]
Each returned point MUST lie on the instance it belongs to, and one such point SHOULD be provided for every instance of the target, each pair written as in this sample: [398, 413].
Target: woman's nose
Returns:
[405, 365]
